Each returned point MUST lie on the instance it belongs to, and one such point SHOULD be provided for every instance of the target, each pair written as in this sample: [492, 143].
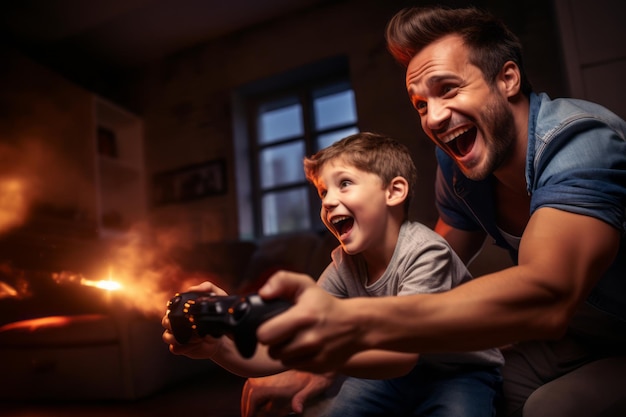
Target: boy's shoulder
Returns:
[414, 234]
[417, 229]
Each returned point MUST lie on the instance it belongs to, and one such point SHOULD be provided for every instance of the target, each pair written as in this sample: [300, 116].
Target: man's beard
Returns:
[499, 138]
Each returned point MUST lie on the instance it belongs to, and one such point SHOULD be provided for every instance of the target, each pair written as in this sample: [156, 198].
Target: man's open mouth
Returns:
[463, 143]
[342, 224]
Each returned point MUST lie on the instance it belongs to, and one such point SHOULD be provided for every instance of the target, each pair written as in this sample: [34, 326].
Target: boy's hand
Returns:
[197, 347]
[207, 286]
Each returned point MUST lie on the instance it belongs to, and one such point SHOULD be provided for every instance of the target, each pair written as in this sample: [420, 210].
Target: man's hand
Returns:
[280, 394]
[317, 334]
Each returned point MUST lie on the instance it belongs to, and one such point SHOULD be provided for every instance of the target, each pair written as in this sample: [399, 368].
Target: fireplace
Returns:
[89, 332]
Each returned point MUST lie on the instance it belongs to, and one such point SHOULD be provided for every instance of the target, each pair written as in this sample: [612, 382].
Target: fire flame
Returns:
[108, 284]
[13, 203]
[141, 276]
[105, 284]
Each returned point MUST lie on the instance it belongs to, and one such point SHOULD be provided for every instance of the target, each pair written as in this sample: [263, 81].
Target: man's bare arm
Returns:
[562, 255]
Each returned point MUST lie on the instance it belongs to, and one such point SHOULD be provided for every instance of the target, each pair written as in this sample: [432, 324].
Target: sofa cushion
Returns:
[79, 330]
[304, 252]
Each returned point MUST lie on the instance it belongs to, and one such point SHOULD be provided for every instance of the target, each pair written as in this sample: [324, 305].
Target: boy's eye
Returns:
[344, 183]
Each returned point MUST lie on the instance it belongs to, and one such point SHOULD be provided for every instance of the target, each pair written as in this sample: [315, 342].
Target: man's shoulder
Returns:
[559, 114]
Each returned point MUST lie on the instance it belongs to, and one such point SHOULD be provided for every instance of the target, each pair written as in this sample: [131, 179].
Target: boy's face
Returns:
[459, 110]
[354, 205]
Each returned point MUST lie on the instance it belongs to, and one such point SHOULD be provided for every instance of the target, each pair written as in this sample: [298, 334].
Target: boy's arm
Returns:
[222, 350]
[379, 364]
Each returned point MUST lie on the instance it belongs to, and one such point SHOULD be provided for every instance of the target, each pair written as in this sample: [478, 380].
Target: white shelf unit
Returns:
[119, 168]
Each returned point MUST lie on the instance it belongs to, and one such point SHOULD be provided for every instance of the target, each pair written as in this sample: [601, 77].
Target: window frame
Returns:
[300, 83]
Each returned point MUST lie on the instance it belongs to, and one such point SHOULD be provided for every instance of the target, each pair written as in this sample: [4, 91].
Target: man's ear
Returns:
[509, 79]
[397, 191]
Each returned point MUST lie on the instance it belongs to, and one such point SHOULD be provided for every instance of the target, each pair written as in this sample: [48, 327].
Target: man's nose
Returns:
[437, 115]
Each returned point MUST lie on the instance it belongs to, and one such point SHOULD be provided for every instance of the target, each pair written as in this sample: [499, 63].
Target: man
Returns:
[545, 179]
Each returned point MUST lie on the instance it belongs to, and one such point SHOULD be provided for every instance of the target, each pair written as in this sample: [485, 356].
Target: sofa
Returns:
[243, 266]
[76, 343]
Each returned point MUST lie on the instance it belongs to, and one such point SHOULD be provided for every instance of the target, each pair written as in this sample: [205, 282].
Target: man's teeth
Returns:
[454, 135]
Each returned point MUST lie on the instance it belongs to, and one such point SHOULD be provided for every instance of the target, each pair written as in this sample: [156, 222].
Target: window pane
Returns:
[285, 211]
[335, 109]
[281, 164]
[280, 123]
[327, 139]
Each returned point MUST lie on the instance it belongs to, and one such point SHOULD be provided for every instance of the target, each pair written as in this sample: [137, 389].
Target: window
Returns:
[298, 123]
[284, 126]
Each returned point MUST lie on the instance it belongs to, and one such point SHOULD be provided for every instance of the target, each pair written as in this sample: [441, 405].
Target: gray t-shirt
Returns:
[422, 262]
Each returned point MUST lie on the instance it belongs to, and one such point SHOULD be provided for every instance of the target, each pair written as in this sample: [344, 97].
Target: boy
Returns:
[365, 184]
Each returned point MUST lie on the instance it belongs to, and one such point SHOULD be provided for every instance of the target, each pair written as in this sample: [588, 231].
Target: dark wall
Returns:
[185, 100]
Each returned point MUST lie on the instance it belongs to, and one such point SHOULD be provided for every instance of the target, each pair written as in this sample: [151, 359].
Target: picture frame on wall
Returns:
[190, 183]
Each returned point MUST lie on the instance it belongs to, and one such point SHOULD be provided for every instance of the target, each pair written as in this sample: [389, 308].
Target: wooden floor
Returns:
[217, 396]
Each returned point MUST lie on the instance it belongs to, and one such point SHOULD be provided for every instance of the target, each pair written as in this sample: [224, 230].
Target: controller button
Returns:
[240, 309]
[215, 308]
[174, 301]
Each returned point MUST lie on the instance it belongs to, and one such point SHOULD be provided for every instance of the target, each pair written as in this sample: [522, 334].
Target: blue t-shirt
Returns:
[576, 162]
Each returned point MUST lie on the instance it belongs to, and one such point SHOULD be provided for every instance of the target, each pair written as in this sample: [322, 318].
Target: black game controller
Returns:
[203, 313]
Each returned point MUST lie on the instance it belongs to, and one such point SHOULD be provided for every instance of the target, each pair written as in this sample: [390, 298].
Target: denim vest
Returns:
[576, 162]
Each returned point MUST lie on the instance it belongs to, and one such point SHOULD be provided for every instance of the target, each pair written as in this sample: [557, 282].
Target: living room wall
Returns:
[185, 100]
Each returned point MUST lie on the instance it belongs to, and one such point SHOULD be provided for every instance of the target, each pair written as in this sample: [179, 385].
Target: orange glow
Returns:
[108, 284]
[13, 203]
[7, 291]
[32, 325]
[104, 284]
[141, 275]
[35, 324]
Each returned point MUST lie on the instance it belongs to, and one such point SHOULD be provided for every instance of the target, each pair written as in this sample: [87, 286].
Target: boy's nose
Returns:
[329, 200]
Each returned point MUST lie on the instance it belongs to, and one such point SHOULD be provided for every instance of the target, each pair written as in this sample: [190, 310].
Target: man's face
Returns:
[462, 114]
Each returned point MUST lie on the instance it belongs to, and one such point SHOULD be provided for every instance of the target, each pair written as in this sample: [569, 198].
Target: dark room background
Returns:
[188, 112]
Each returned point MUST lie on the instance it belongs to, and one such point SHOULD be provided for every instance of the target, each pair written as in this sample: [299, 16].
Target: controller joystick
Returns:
[202, 313]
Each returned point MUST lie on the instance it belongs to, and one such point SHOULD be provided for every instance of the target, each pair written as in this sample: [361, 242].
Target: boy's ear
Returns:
[397, 191]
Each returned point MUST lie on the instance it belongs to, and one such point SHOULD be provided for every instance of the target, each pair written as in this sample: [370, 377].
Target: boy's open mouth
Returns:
[342, 224]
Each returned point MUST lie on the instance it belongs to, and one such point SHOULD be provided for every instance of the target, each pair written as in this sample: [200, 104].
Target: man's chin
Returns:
[475, 173]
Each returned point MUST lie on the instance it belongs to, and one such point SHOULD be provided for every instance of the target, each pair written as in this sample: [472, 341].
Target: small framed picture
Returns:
[188, 183]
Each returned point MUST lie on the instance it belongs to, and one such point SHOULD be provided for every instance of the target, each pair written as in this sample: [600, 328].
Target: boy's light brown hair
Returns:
[368, 152]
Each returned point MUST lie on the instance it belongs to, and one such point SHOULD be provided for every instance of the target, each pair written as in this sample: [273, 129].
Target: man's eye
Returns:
[421, 107]
[447, 89]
